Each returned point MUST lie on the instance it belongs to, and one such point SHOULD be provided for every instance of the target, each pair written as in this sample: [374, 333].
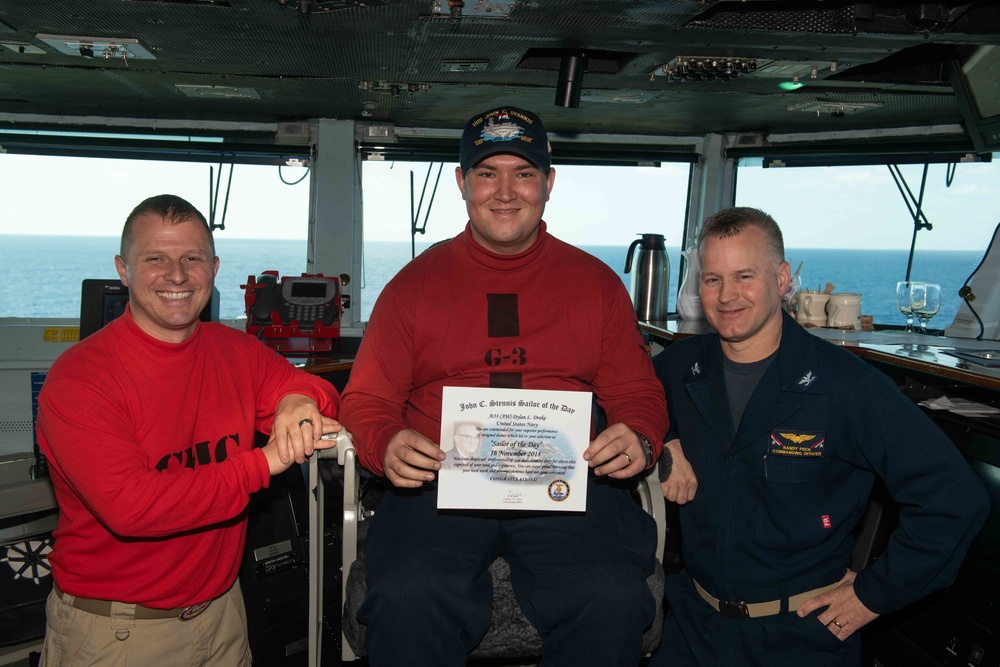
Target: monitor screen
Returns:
[101, 301]
[977, 88]
[309, 289]
[982, 71]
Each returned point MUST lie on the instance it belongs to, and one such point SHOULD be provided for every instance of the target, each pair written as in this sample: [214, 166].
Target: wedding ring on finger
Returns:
[627, 458]
[305, 421]
[838, 624]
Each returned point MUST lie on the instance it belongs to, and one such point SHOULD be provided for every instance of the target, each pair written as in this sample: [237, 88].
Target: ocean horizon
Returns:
[47, 272]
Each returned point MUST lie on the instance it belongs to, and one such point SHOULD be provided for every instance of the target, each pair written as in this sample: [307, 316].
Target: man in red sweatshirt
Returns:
[504, 305]
[148, 426]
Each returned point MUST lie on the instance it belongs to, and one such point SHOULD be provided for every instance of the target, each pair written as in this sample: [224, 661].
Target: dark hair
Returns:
[171, 208]
[731, 221]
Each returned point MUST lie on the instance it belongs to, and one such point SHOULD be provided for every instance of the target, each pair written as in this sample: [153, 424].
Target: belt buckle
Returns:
[735, 609]
[194, 610]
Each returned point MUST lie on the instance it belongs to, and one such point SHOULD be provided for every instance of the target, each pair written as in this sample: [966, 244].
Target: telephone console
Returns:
[294, 313]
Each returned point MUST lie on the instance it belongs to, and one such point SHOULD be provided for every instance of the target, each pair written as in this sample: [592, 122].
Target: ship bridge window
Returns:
[61, 220]
[851, 226]
[600, 209]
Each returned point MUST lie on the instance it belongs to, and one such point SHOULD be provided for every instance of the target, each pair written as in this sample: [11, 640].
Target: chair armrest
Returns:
[346, 456]
[651, 499]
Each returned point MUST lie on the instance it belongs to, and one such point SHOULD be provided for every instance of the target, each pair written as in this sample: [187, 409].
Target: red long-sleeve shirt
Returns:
[460, 315]
[150, 447]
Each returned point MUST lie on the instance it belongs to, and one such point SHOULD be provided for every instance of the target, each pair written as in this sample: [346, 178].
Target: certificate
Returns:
[514, 449]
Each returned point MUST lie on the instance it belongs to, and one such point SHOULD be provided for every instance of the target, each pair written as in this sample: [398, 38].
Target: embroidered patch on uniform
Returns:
[802, 444]
[807, 379]
[826, 521]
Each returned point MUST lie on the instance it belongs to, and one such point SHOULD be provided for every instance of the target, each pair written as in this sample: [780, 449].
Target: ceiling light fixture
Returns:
[218, 92]
[617, 96]
[464, 66]
[394, 88]
[834, 107]
[103, 47]
[457, 10]
[22, 48]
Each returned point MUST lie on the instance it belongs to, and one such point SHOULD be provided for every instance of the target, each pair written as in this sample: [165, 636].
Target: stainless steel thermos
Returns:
[651, 277]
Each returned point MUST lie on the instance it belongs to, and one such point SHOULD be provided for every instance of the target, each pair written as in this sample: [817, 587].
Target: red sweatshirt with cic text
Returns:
[150, 448]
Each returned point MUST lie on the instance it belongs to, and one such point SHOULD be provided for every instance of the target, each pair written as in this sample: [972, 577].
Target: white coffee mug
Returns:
[812, 307]
[844, 310]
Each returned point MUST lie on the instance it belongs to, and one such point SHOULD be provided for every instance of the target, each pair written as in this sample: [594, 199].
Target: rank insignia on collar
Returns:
[797, 443]
[807, 379]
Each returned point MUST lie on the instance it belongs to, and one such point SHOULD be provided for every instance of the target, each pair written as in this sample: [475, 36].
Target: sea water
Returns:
[44, 273]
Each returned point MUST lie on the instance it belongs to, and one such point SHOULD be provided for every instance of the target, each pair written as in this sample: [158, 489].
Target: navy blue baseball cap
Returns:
[505, 130]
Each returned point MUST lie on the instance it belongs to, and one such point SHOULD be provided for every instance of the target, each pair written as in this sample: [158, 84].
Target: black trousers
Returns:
[579, 578]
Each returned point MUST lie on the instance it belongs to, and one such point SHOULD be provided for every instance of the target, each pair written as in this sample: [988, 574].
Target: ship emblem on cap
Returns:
[502, 131]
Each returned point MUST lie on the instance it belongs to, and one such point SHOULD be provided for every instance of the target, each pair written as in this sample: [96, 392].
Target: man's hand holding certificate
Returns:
[514, 449]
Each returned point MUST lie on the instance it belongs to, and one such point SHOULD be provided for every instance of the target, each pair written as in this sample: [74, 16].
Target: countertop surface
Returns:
[926, 353]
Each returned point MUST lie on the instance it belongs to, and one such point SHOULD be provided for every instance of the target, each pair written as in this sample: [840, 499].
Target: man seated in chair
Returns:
[504, 305]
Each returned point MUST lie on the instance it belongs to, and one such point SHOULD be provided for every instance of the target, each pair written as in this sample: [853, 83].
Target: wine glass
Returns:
[903, 288]
[928, 305]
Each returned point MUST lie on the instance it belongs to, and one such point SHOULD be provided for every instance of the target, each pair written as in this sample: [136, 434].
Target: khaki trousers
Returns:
[216, 637]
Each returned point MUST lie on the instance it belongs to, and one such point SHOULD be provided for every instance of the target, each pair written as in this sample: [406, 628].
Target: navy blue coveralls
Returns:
[778, 498]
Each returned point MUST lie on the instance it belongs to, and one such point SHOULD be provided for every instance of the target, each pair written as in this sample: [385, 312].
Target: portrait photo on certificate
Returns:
[514, 449]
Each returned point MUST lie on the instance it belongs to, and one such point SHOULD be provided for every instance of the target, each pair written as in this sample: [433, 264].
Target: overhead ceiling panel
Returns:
[383, 62]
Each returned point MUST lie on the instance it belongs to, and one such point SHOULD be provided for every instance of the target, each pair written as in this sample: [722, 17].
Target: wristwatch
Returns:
[647, 448]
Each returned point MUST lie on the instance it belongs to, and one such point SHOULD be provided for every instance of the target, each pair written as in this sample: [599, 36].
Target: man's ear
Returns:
[122, 272]
[460, 179]
[784, 277]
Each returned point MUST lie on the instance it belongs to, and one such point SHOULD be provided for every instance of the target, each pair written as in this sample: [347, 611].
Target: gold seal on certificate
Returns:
[514, 449]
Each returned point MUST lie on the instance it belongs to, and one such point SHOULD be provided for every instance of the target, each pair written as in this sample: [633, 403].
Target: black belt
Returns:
[103, 608]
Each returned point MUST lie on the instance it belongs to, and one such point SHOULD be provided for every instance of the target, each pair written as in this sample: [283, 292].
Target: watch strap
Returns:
[647, 448]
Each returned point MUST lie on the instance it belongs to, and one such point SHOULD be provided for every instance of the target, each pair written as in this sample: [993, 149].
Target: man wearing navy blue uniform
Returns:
[786, 435]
